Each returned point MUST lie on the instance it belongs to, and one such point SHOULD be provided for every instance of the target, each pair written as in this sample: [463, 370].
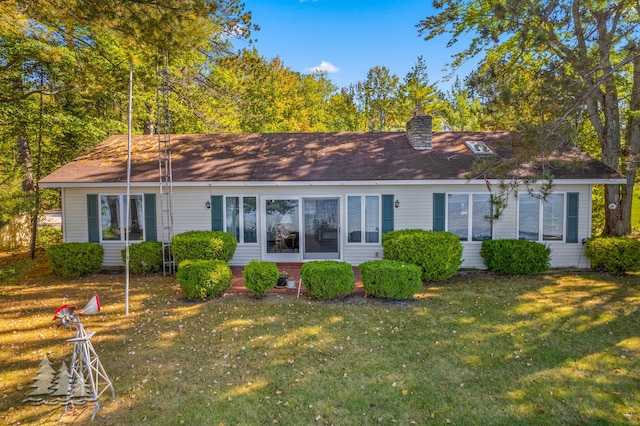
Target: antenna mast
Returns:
[164, 162]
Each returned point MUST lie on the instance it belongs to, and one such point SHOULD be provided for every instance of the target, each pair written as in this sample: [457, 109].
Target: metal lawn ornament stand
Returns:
[86, 370]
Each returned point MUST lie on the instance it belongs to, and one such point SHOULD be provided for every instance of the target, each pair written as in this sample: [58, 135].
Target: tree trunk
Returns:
[27, 165]
[617, 199]
[618, 221]
[149, 125]
[28, 186]
[631, 151]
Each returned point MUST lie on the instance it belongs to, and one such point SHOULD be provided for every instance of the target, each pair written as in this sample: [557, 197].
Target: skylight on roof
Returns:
[479, 148]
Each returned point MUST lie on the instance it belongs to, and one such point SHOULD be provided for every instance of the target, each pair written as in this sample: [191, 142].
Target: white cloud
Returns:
[324, 68]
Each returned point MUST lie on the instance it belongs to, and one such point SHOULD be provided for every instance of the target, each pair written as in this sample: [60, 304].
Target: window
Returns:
[469, 220]
[363, 218]
[538, 217]
[245, 221]
[112, 210]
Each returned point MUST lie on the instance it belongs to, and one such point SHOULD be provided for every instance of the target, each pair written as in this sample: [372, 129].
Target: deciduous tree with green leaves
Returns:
[378, 97]
[583, 57]
[463, 112]
[64, 72]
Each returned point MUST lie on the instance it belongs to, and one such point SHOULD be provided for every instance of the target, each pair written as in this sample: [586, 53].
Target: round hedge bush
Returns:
[437, 253]
[328, 279]
[203, 279]
[515, 257]
[615, 255]
[390, 279]
[208, 245]
[259, 277]
[75, 259]
[144, 257]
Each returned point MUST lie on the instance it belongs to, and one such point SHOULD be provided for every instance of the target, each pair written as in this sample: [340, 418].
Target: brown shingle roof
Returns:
[302, 157]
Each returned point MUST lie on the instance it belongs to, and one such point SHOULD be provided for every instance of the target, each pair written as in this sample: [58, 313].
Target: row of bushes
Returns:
[77, 259]
[331, 279]
[203, 255]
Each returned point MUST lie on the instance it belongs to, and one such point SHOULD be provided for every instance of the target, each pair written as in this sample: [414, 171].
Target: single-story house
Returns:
[295, 197]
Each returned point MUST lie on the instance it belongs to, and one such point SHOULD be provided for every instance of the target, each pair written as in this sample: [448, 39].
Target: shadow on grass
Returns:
[478, 349]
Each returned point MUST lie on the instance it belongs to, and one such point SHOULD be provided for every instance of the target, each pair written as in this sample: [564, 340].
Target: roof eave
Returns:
[589, 181]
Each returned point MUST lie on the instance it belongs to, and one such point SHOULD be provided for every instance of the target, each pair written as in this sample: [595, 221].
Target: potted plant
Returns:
[282, 278]
[291, 283]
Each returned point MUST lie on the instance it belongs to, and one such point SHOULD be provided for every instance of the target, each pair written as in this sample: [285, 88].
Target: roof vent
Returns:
[479, 148]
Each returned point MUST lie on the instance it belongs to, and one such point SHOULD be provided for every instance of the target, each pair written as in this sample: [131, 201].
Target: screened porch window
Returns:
[541, 219]
[235, 221]
[112, 210]
[469, 220]
[363, 217]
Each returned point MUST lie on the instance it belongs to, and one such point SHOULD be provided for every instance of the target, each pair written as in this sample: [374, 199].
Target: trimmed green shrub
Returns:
[48, 236]
[615, 255]
[328, 279]
[75, 259]
[515, 257]
[391, 279]
[208, 245]
[203, 279]
[260, 276]
[144, 257]
[437, 253]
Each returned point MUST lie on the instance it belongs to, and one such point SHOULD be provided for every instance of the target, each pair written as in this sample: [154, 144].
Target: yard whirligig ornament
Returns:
[65, 312]
[86, 371]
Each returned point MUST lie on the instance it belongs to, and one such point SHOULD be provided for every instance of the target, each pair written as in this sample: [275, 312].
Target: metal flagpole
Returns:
[128, 214]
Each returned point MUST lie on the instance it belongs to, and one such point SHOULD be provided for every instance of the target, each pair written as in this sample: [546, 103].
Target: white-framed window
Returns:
[468, 216]
[113, 209]
[240, 218]
[363, 219]
[541, 219]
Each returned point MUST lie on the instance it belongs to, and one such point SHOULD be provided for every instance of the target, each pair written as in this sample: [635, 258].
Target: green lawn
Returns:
[558, 349]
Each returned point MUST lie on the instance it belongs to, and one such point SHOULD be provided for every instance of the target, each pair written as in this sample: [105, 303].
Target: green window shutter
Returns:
[387, 213]
[217, 213]
[93, 218]
[438, 211]
[150, 217]
[572, 217]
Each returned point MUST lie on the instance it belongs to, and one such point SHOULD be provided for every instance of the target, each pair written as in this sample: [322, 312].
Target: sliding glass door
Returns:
[321, 228]
[282, 229]
[297, 229]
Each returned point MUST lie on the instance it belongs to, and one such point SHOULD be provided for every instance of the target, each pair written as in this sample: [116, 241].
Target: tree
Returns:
[273, 98]
[64, 71]
[378, 96]
[416, 90]
[584, 58]
[344, 113]
[464, 112]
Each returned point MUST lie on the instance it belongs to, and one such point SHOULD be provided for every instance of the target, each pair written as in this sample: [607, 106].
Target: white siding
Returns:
[74, 215]
[75, 224]
[415, 211]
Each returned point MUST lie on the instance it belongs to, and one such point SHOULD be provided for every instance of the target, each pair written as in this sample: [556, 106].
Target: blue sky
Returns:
[347, 38]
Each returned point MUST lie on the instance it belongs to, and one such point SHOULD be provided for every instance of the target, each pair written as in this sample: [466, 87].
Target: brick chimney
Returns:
[419, 129]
